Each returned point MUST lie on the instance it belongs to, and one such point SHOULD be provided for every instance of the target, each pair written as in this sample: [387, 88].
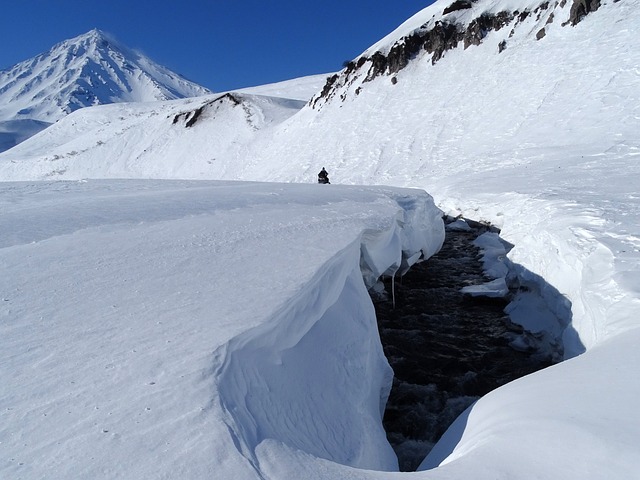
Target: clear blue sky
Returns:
[221, 44]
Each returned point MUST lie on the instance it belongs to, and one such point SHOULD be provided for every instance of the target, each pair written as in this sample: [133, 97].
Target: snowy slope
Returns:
[303, 88]
[537, 133]
[197, 134]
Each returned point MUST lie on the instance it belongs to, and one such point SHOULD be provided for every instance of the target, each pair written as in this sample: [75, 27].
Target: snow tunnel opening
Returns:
[453, 334]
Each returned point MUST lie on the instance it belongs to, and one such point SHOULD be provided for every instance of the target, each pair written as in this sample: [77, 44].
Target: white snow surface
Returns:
[274, 368]
[152, 329]
[303, 88]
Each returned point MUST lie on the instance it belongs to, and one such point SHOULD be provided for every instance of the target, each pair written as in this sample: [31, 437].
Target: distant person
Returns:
[323, 176]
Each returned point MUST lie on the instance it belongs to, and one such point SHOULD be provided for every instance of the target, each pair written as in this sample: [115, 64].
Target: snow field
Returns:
[541, 140]
[87, 144]
[143, 321]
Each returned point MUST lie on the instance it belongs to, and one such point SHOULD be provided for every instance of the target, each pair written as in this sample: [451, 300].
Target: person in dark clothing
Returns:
[323, 176]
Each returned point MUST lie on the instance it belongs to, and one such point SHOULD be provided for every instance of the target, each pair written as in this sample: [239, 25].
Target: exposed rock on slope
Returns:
[459, 23]
[192, 116]
[190, 138]
[581, 8]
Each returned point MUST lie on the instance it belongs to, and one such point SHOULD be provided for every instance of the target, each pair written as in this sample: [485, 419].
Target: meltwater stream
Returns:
[447, 349]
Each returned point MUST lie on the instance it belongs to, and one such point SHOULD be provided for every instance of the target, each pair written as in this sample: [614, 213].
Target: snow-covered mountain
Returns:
[458, 81]
[162, 326]
[91, 69]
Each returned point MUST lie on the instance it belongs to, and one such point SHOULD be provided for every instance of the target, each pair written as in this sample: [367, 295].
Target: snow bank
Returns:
[175, 328]
[315, 373]
[561, 257]
[134, 140]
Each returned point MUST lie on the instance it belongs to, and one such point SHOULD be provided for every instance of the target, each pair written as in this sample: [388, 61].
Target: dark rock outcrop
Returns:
[327, 90]
[439, 36]
[192, 116]
[485, 23]
[457, 5]
[443, 36]
[539, 10]
[581, 8]
[522, 16]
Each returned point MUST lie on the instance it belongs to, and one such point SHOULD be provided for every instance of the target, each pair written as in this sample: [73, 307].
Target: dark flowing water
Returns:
[446, 349]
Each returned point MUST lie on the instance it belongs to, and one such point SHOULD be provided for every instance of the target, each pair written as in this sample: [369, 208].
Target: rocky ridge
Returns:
[456, 25]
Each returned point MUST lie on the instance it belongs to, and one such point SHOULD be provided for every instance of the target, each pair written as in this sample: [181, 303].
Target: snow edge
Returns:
[265, 376]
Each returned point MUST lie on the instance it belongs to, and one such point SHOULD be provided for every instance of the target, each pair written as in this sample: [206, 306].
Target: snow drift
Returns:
[149, 327]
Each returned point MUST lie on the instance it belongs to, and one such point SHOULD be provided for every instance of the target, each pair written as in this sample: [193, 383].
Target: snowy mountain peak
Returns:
[90, 69]
[92, 37]
[94, 42]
